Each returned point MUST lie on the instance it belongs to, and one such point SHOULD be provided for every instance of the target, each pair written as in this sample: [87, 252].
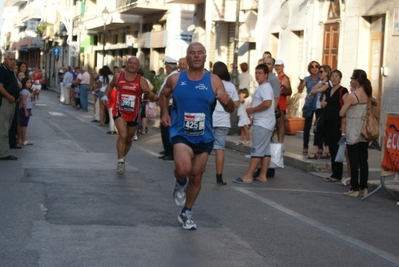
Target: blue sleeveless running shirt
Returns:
[193, 105]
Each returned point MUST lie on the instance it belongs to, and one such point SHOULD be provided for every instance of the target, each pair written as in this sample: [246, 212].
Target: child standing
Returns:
[243, 119]
[264, 121]
[25, 110]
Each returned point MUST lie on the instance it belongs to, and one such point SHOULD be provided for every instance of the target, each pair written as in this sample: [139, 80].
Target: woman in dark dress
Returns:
[332, 102]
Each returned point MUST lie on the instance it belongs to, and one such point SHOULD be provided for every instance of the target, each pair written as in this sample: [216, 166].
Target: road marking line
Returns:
[296, 190]
[373, 250]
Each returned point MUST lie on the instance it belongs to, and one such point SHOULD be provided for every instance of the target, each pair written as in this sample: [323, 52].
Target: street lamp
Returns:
[105, 15]
[80, 29]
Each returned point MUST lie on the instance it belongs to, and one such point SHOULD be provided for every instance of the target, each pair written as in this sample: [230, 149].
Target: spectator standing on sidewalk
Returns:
[25, 110]
[282, 104]
[102, 83]
[264, 122]
[37, 82]
[245, 79]
[130, 86]
[67, 84]
[317, 94]
[243, 120]
[171, 68]
[275, 84]
[95, 88]
[221, 119]
[9, 94]
[84, 81]
[309, 82]
[332, 103]
[195, 93]
[354, 110]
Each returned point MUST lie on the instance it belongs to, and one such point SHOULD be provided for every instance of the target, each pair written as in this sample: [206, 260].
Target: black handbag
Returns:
[318, 124]
[277, 113]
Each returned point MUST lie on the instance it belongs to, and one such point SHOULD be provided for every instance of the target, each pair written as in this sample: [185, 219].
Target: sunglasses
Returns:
[321, 71]
[314, 66]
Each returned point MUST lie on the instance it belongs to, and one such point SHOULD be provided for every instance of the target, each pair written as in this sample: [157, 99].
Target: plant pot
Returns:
[293, 125]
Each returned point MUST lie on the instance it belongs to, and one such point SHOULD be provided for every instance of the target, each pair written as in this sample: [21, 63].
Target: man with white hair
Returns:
[9, 94]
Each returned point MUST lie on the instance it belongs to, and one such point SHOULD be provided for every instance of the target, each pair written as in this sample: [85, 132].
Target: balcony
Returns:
[194, 2]
[140, 7]
[16, 3]
[154, 39]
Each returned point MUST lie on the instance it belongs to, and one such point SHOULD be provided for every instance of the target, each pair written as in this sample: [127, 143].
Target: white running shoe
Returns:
[120, 168]
[187, 220]
[179, 193]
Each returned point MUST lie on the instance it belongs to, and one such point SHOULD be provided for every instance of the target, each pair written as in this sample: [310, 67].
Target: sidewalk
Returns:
[321, 167]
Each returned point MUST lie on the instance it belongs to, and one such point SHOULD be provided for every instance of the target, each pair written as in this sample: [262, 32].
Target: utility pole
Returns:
[236, 39]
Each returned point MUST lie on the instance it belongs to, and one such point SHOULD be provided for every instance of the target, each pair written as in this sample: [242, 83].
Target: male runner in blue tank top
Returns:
[195, 92]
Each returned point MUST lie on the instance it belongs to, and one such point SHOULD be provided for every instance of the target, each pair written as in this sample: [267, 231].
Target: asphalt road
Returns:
[62, 204]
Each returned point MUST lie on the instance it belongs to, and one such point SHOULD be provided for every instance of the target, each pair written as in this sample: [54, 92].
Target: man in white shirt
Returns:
[84, 81]
[67, 83]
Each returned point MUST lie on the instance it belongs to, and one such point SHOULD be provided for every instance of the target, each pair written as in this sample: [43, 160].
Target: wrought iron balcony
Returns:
[140, 7]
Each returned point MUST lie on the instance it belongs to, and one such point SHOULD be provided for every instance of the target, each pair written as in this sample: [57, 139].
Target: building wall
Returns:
[292, 32]
[356, 48]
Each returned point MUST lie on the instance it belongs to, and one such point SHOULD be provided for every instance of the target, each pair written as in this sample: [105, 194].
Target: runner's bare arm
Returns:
[146, 89]
[164, 98]
[221, 95]
[109, 88]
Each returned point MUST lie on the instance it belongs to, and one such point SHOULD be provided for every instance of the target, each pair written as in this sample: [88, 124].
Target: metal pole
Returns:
[237, 28]
[104, 45]
[79, 48]
[70, 30]
[234, 75]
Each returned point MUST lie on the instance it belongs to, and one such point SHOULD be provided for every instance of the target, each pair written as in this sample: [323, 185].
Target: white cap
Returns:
[60, 71]
[279, 62]
[170, 60]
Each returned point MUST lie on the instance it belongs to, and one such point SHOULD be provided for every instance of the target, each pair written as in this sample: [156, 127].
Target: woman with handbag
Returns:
[309, 82]
[354, 110]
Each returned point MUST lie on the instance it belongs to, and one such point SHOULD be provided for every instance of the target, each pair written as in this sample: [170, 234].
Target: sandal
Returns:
[27, 143]
[330, 180]
[313, 156]
[345, 182]
[305, 151]
[326, 156]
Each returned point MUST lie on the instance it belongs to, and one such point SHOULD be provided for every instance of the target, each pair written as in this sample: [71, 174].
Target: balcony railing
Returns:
[126, 3]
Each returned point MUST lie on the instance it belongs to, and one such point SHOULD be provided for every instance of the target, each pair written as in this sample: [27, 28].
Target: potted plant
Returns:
[293, 120]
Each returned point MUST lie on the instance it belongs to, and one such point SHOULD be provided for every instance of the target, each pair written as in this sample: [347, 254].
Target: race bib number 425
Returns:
[127, 102]
[194, 124]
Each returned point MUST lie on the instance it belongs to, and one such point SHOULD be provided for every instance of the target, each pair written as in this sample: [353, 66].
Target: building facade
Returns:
[345, 34]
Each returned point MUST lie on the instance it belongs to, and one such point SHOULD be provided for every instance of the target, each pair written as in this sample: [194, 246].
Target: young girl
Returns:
[243, 119]
[25, 110]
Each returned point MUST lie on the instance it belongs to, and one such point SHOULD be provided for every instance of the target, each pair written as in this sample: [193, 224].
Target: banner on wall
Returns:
[390, 160]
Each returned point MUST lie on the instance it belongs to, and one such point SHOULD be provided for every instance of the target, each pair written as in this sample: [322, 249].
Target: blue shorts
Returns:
[220, 134]
[197, 148]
